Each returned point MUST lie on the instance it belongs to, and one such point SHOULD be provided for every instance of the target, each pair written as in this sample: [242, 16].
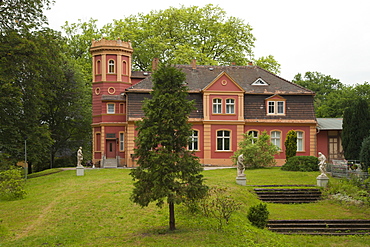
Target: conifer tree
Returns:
[290, 144]
[167, 170]
[355, 128]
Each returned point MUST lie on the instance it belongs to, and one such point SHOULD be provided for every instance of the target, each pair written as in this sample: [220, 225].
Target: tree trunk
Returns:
[171, 207]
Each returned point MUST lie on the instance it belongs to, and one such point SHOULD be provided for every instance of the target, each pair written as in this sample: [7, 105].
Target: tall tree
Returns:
[355, 128]
[79, 36]
[177, 36]
[43, 98]
[167, 170]
[23, 15]
[365, 153]
[21, 75]
[268, 63]
[322, 85]
[67, 110]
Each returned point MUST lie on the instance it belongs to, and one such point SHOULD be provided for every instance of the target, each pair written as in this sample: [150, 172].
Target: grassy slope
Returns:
[94, 210]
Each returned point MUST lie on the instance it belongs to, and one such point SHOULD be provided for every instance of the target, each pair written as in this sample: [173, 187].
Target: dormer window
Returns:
[259, 82]
[275, 105]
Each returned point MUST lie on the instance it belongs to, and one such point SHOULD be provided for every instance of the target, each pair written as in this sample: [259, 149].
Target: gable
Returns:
[275, 97]
[223, 83]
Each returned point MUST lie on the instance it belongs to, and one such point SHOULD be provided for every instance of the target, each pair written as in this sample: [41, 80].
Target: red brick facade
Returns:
[230, 101]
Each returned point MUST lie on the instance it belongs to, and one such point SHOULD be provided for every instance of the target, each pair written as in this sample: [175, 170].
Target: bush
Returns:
[301, 163]
[11, 184]
[219, 205]
[258, 215]
[256, 153]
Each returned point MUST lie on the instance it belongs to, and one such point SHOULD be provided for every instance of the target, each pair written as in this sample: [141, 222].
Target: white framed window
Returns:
[223, 140]
[300, 143]
[121, 141]
[276, 107]
[194, 141]
[230, 106]
[217, 106]
[254, 134]
[276, 138]
[111, 67]
[110, 108]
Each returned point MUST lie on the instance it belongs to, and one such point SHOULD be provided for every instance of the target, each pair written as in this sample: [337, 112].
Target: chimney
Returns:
[155, 64]
[194, 64]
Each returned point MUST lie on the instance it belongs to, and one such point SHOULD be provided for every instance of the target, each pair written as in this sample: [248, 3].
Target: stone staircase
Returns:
[110, 163]
[288, 195]
[320, 227]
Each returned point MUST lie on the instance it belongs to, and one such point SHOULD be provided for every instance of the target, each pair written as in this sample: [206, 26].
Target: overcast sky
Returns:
[328, 36]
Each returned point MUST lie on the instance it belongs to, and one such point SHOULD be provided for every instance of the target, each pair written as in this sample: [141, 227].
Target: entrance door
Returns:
[111, 149]
[335, 146]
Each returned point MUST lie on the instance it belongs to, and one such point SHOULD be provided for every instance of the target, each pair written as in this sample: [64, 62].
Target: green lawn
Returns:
[62, 209]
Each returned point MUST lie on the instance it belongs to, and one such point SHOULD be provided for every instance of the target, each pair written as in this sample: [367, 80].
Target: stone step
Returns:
[320, 227]
[110, 163]
[288, 195]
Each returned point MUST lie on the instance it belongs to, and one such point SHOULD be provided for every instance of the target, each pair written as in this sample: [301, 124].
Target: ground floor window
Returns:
[300, 142]
[121, 141]
[254, 134]
[194, 140]
[276, 138]
[223, 140]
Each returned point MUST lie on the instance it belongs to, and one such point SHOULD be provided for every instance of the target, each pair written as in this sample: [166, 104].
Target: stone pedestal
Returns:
[241, 180]
[322, 180]
[80, 170]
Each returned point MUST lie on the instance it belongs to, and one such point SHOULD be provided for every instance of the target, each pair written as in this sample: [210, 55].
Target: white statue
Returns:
[322, 164]
[80, 157]
[240, 166]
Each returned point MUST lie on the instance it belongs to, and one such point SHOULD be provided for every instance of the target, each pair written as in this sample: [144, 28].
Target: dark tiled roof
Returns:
[197, 79]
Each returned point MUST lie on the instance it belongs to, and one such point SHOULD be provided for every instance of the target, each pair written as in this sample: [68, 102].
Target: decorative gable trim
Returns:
[259, 82]
[224, 83]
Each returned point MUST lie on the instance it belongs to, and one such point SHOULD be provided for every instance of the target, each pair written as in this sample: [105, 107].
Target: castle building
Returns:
[229, 100]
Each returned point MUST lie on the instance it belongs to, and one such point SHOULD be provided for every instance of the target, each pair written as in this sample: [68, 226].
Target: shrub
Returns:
[11, 184]
[301, 163]
[290, 144]
[258, 215]
[256, 153]
[219, 205]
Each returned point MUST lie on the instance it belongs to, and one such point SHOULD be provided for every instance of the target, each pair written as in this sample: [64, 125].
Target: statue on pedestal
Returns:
[322, 164]
[79, 157]
[240, 166]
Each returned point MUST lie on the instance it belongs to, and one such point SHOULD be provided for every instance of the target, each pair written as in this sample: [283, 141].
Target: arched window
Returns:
[223, 140]
[276, 138]
[98, 67]
[300, 141]
[97, 142]
[254, 134]
[230, 106]
[111, 67]
[124, 68]
[217, 106]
